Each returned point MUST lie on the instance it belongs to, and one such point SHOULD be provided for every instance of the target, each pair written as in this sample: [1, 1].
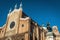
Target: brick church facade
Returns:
[19, 26]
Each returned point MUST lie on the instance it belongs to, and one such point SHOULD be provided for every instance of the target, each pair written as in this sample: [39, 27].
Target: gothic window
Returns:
[22, 25]
[12, 24]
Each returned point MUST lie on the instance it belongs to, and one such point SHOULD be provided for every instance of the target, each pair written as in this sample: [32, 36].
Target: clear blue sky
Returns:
[41, 11]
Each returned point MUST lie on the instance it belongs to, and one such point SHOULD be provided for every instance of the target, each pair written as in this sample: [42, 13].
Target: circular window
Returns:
[12, 24]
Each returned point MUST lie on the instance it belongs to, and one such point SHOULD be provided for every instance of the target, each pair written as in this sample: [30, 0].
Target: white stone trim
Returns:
[24, 18]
